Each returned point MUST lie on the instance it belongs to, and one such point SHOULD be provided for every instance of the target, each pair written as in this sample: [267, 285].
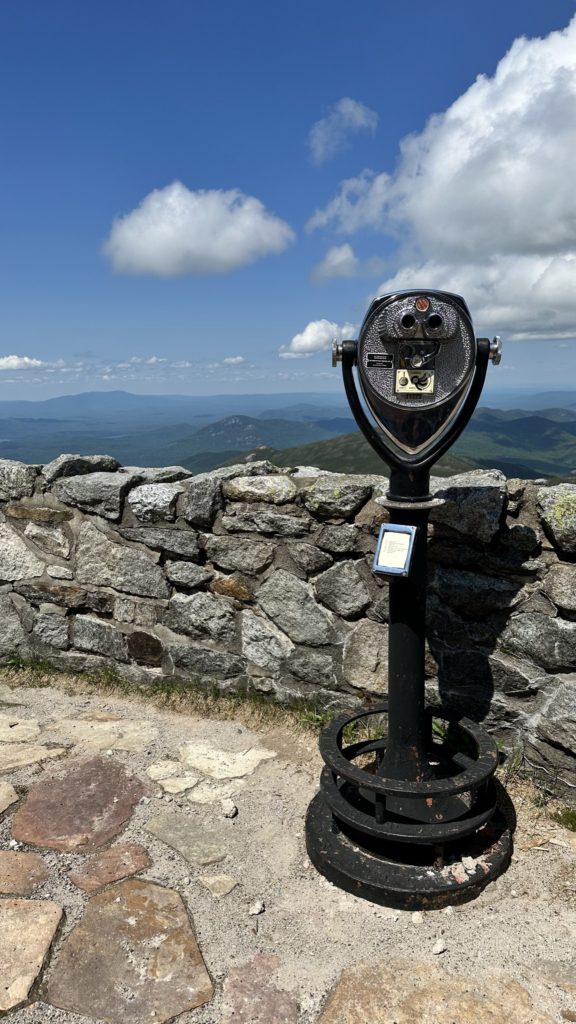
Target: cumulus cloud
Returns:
[331, 134]
[233, 360]
[341, 261]
[20, 363]
[317, 336]
[177, 231]
[483, 200]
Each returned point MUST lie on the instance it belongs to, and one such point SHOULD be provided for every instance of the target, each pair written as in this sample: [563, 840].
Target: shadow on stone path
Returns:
[152, 868]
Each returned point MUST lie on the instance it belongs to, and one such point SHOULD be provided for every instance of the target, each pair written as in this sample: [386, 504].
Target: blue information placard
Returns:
[393, 553]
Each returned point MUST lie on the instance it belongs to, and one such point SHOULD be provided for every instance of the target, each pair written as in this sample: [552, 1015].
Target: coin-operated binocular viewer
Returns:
[410, 819]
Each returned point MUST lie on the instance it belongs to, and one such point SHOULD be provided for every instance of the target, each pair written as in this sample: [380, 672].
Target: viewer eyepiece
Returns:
[434, 322]
[407, 321]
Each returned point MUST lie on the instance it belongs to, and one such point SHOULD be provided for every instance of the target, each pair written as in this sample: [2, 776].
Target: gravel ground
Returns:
[518, 925]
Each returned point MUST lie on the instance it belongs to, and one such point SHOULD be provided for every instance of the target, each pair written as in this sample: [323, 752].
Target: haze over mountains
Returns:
[532, 435]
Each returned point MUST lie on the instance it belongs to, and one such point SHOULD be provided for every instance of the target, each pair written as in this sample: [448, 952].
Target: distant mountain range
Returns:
[535, 439]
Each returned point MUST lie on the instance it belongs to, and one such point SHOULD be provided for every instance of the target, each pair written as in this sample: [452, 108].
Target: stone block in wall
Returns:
[260, 467]
[51, 538]
[68, 595]
[558, 724]
[313, 667]
[557, 508]
[262, 642]
[338, 539]
[560, 586]
[201, 500]
[447, 626]
[373, 515]
[290, 604]
[474, 503]
[60, 572]
[472, 593]
[522, 538]
[205, 661]
[178, 543]
[17, 561]
[266, 521]
[52, 628]
[100, 493]
[38, 514]
[141, 613]
[201, 615]
[236, 586]
[241, 554]
[187, 574]
[310, 558]
[144, 648]
[153, 503]
[99, 637]
[342, 589]
[365, 657]
[17, 479]
[550, 642]
[13, 636]
[102, 562]
[159, 474]
[337, 496]
[79, 465]
[277, 490]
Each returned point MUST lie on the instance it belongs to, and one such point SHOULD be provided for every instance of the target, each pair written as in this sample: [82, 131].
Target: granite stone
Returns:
[188, 836]
[100, 561]
[81, 810]
[28, 928]
[21, 874]
[110, 866]
[132, 957]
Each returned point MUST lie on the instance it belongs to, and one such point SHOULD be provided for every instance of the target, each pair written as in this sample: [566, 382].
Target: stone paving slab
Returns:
[133, 957]
[93, 733]
[80, 811]
[110, 866]
[28, 927]
[190, 838]
[18, 730]
[250, 998]
[8, 795]
[412, 993]
[211, 760]
[21, 873]
[19, 755]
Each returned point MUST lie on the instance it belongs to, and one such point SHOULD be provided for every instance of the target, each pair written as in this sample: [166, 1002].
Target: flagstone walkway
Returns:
[153, 868]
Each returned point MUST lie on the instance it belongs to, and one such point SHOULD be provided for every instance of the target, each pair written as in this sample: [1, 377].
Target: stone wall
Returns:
[251, 577]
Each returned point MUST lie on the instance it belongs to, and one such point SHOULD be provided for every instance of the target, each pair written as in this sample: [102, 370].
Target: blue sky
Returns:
[196, 196]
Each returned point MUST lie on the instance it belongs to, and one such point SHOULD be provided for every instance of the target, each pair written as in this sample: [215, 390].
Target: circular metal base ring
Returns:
[394, 882]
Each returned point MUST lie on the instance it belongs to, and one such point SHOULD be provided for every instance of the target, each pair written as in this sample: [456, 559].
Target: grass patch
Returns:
[566, 816]
[184, 696]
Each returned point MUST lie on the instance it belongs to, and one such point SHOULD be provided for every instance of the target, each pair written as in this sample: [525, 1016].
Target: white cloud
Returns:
[233, 360]
[317, 336]
[483, 200]
[177, 231]
[330, 135]
[20, 363]
[339, 261]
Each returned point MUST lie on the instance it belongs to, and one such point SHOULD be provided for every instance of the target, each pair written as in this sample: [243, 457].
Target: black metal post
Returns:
[407, 754]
